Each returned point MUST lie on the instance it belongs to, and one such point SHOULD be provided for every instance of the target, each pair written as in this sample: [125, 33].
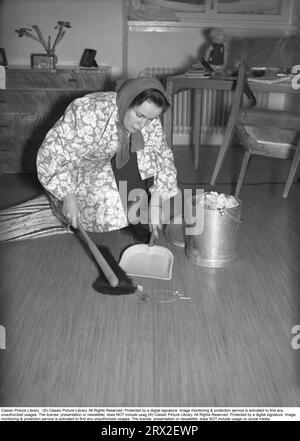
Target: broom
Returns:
[115, 280]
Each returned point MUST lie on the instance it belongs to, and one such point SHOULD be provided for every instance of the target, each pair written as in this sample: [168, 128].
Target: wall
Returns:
[176, 50]
[96, 24]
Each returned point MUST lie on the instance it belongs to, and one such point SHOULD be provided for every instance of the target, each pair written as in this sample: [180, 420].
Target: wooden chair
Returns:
[271, 133]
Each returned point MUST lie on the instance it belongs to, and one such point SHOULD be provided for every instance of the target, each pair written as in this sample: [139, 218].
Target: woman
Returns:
[75, 165]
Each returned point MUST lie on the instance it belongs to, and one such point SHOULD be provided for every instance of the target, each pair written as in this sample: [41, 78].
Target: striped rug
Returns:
[30, 220]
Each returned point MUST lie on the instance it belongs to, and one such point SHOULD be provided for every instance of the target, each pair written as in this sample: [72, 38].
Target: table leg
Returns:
[169, 116]
[197, 126]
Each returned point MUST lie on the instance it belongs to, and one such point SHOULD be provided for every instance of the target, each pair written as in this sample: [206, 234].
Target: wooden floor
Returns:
[229, 345]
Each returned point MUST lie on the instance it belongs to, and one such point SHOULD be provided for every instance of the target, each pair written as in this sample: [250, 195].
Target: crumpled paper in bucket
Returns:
[217, 201]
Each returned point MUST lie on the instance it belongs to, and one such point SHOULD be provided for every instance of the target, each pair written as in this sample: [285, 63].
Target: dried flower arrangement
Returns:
[35, 33]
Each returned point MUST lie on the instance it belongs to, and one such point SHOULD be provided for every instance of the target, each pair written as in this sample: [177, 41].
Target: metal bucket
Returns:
[217, 245]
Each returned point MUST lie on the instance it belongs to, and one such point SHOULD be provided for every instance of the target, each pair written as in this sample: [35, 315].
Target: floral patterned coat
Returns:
[75, 158]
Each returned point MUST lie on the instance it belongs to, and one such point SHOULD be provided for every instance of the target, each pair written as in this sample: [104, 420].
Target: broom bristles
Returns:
[29, 220]
[126, 285]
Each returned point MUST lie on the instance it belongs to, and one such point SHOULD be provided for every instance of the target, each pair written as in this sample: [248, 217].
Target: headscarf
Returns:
[126, 93]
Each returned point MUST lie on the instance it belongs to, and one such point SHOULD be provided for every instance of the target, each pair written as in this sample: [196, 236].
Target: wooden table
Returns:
[179, 83]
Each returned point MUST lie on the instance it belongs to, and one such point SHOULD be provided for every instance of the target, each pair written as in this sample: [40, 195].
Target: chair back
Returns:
[241, 87]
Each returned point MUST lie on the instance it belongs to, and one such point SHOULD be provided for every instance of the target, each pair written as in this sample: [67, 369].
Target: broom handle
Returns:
[104, 266]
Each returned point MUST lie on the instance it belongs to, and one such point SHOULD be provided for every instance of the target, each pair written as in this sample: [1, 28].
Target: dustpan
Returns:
[150, 260]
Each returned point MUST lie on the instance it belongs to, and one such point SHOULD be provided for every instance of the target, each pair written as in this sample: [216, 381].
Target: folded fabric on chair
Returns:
[30, 220]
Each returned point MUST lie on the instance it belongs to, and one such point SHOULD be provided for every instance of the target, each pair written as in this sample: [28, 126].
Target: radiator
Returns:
[215, 109]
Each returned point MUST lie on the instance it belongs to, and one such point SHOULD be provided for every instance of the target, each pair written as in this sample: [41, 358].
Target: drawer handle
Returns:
[2, 102]
[72, 80]
[3, 126]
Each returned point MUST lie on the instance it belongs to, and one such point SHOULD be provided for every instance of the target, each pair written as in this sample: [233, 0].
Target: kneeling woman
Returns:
[104, 138]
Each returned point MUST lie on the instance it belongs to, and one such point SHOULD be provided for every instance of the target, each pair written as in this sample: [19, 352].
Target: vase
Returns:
[55, 60]
[45, 61]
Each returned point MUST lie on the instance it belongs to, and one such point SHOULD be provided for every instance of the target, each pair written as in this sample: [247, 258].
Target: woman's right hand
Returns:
[70, 209]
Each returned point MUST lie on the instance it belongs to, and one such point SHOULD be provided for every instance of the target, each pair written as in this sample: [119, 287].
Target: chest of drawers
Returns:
[31, 103]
